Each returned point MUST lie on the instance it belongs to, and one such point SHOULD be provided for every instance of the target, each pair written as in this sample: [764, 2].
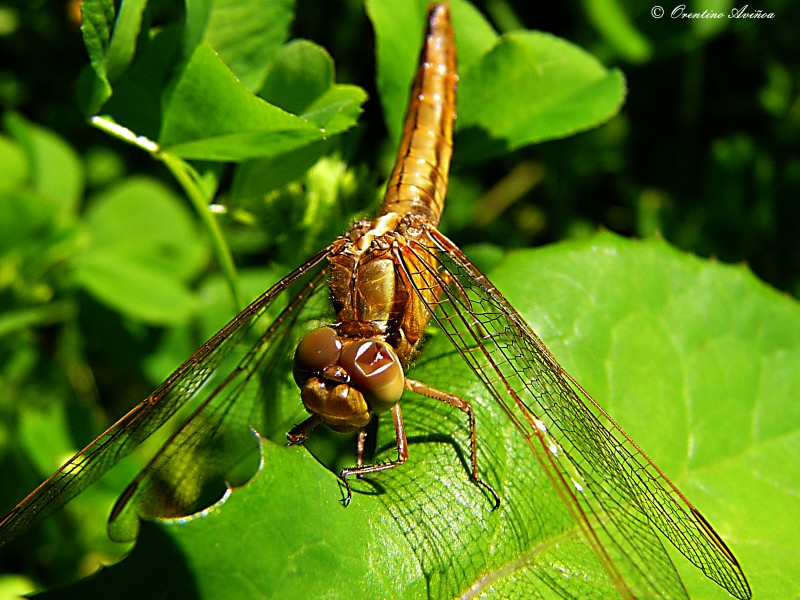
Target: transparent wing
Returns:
[217, 446]
[617, 496]
[181, 387]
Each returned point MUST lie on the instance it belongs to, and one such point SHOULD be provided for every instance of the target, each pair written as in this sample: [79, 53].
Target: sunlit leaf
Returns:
[425, 528]
[530, 88]
[247, 34]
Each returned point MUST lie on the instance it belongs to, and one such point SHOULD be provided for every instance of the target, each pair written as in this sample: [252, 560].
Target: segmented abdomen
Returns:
[419, 180]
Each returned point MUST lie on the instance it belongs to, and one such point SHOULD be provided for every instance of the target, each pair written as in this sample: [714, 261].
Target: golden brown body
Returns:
[418, 183]
[372, 296]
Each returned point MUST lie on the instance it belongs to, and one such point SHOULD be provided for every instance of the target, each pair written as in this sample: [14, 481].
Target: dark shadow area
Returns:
[161, 572]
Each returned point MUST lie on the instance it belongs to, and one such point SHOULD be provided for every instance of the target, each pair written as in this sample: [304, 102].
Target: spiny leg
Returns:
[464, 406]
[361, 469]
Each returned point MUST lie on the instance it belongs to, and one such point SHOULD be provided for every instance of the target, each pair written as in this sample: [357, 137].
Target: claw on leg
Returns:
[360, 470]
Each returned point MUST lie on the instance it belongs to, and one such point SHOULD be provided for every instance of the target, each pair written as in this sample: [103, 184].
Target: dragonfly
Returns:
[354, 318]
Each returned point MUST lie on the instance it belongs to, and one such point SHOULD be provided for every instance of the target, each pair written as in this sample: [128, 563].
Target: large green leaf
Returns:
[530, 88]
[694, 359]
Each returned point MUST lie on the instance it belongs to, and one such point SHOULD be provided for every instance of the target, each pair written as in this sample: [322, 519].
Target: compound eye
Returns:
[375, 371]
[318, 349]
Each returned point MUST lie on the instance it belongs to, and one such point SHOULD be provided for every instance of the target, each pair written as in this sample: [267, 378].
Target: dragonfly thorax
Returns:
[345, 381]
[372, 294]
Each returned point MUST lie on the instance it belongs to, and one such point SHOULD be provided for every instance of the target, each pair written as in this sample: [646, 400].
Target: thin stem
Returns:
[189, 180]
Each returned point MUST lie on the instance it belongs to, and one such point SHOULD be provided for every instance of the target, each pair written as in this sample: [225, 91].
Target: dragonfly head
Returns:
[344, 381]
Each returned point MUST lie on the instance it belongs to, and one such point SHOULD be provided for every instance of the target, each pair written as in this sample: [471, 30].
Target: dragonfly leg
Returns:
[465, 407]
[299, 433]
[360, 445]
[361, 470]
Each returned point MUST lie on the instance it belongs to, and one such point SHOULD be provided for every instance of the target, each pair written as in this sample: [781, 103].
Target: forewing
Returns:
[182, 386]
[617, 496]
[217, 446]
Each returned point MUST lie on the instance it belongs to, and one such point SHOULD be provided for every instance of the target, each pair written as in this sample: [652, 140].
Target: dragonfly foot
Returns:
[491, 491]
[349, 494]
[299, 433]
[296, 439]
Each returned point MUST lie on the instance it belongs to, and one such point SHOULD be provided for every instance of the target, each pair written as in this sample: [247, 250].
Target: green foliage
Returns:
[107, 279]
[143, 249]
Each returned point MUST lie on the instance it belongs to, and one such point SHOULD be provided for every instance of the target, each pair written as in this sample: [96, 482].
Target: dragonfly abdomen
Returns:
[419, 180]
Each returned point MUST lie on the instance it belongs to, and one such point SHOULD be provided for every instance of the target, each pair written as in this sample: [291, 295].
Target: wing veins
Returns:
[90, 463]
[617, 458]
[201, 427]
